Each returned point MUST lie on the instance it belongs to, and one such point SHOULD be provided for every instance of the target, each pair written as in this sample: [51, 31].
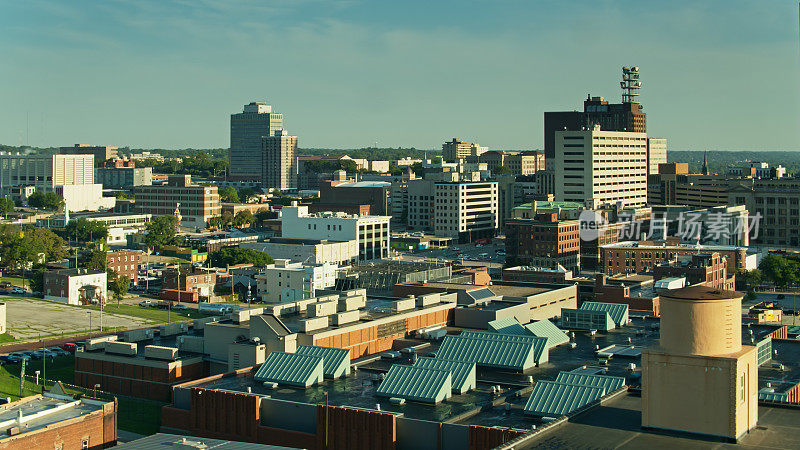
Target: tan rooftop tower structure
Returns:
[701, 379]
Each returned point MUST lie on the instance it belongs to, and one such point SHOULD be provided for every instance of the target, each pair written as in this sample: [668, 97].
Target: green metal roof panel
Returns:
[617, 311]
[507, 325]
[416, 383]
[335, 361]
[586, 319]
[540, 349]
[607, 382]
[550, 398]
[774, 396]
[291, 368]
[546, 329]
[461, 372]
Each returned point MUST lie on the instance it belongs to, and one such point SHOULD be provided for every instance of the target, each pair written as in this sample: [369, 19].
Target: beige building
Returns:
[700, 378]
[465, 211]
[46, 171]
[279, 161]
[602, 167]
[523, 163]
[99, 152]
[656, 154]
[197, 204]
[775, 204]
[256, 121]
[457, 149]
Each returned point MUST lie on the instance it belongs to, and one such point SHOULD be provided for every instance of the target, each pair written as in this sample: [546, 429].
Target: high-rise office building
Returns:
[603, 167]
[247, 128]
[625, 116]
[279, 161]
[656, 154]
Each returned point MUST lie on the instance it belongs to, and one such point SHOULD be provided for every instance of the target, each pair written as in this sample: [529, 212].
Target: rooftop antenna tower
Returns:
[630, 84]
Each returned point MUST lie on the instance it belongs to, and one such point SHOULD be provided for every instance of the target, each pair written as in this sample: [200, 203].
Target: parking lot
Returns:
[492, 253]
[29, 318]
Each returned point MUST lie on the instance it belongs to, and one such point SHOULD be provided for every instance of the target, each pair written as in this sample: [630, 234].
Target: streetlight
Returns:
[90, 322]
[95, 389]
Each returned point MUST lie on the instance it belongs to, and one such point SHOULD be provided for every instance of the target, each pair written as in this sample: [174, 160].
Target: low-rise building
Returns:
[288, 282]
[75, 286]
[537, 274]
[125, 263]
[544, 241]
[100, 153]
[196, 204]
[313, 251]
[123, 177]
[643, 256]
[371, 232]
[710, 269]
[190, 278]
[59, 421]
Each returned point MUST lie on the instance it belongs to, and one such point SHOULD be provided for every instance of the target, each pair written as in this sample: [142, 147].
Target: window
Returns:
[85, 443]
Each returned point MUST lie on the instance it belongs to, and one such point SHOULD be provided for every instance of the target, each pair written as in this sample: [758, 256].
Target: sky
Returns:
[716, 75]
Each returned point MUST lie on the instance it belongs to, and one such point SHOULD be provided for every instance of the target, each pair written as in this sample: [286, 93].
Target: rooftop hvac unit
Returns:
[270, 385]
[397, 401]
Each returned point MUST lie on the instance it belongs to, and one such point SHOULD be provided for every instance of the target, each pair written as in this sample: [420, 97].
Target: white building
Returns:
[75, 286]
[371, 232]
[120, 226]
[288, 282]
[602, 167]
[311, 251]
[656, 154]
[71, 176]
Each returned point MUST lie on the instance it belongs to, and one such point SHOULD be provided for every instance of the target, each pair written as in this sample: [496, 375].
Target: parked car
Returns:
[179, 307]
[16, 357]
[58, 351]
[17, 290]
[69, 347]
[147, 304]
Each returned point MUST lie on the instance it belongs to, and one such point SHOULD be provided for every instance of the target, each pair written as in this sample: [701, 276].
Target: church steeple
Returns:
[704, 170]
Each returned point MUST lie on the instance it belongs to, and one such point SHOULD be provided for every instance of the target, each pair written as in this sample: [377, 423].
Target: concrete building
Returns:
[625, 116]
[700, 378]
[347, 195]
[256, 121]
[758, 170]
[662, 185]
[521, 163]
[75, 286]
[456, 149]
[656, 154]
[58, 421]
[371, 232]
[537, 274]
[279, 161]
[465, 211]
[601, 167]
[123, 177]
[719, 225]
[100, 153]
[288, 282]
[120, 226]
[312, 251]
[196, 204]
[544, 241]
[774, 205]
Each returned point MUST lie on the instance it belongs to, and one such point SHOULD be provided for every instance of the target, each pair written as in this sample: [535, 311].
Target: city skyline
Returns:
[716, 76]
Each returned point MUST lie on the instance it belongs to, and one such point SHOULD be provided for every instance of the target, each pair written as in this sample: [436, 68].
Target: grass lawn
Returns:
[16, 281]
[152, 314]
[5, 337]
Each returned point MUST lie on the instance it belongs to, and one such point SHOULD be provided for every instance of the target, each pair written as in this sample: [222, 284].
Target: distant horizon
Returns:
[717, 75]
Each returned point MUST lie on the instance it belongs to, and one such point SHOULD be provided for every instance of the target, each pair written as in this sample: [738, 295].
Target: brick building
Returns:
[544, 241]
[125, 262]
[708, 268]
[53, 421]
[644, 256]
[190, 279]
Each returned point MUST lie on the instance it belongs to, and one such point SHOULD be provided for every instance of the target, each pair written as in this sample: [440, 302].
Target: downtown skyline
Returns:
[717, 76]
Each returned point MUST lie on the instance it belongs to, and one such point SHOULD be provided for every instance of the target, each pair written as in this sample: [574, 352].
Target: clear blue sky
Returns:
[716, 74]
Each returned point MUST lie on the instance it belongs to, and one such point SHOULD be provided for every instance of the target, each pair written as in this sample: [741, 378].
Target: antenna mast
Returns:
[630, 84]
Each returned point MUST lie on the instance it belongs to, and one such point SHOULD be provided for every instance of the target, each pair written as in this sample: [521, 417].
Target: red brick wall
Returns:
[365, 341]
[484, 438]
[135, 380]
[99, 428]
[350, 428]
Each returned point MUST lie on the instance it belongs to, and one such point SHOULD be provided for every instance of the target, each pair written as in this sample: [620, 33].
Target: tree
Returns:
[753, 277]
[229, 256]
[161, 231]
[96, 260]
[119, 285]
[779, 270]
[265, 214]
[85, 230]
[229, 195]
[6, 205]
[502, 170]
[49, 200]
[243, 218]
[245, 194]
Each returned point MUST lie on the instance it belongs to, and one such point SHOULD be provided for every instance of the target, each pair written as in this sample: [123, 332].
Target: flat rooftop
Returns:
[401, 267]
[516, 291]
[617, 424]
[60, 409]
